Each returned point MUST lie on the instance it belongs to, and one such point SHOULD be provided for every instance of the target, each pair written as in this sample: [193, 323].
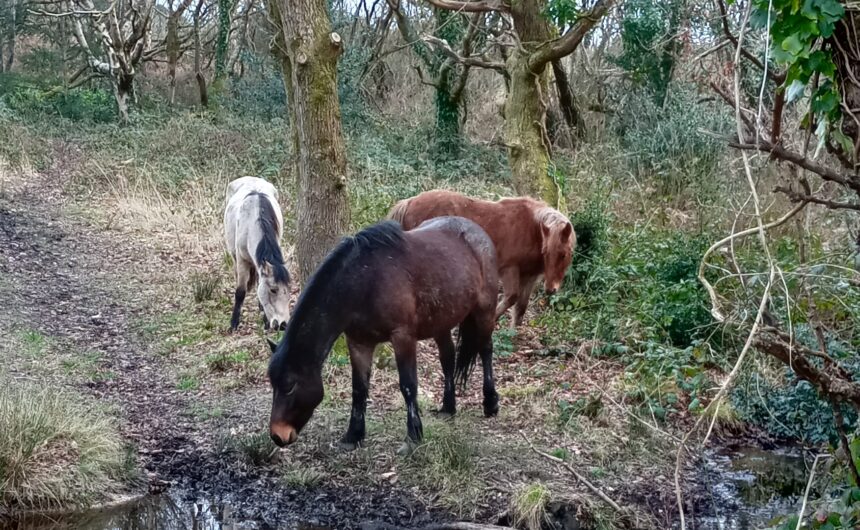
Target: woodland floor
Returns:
[90, 301]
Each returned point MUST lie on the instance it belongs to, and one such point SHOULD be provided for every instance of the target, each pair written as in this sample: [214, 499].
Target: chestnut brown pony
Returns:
[388, 285]
[531, 239]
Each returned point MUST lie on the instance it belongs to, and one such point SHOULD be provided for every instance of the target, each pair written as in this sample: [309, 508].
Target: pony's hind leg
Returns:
[360, 357]
[491, 397]
[510, 279]
[405, 355]
[447, 356]
[242, 277]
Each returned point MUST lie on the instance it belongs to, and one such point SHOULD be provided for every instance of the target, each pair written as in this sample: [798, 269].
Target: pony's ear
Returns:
[566, 231]
[272, 344]
[266, 269]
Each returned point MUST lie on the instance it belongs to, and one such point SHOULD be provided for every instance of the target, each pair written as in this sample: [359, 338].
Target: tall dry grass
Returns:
[56, 449]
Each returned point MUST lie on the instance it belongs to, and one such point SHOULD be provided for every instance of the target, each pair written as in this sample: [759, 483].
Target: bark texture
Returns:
[309, 54]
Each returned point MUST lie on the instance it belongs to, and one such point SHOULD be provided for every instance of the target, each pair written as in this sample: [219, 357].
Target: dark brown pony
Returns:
[531, 239]
[387, 285]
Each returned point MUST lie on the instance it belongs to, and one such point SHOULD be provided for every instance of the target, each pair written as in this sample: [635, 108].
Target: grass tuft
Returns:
[304, 477]
[528, 506]
[446, 462]
[204, 285]
[55, 450]
[253, 448]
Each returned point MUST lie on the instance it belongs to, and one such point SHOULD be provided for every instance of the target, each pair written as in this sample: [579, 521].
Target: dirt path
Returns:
[83, 289]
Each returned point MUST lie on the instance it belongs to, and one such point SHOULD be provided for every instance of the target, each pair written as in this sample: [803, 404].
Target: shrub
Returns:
[56, 450]
[666, 144]
[791, 408]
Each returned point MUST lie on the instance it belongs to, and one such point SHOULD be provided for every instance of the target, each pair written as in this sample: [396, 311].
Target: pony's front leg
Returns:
[360, 357]
[447, 356]
[491, 397]
[242, 276]
[407, 368]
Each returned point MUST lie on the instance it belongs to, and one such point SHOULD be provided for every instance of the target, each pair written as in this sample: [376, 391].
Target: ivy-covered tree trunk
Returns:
[310, 54]
[222, 39]
[123, 92]
[442, 74]
[525, 131]
[448, 134]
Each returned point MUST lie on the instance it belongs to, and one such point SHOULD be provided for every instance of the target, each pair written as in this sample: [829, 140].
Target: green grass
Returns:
[56, 450]
[253, 448]
[188, 382]
[204, 286]
[303, 477]
[446, 462]
[34, 343]
[224, 361]
[528, 506]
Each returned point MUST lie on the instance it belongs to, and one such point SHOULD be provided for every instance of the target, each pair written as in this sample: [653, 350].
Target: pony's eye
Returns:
[274, 291]
[291, 390]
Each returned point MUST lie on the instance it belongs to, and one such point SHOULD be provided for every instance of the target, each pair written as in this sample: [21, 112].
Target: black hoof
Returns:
[443, 414]
[407, 448]
[346, 446]
[491, 407]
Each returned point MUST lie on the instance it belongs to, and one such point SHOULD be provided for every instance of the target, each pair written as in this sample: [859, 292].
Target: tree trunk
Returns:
[223, 39]
[448, 136]
[528, 145]
[123, 91]
[567, 100]
[172, 44]
[312, 51]
[198, 52]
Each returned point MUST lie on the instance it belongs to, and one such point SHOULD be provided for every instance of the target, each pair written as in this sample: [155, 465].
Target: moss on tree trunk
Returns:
[309, 52]
[525, 131]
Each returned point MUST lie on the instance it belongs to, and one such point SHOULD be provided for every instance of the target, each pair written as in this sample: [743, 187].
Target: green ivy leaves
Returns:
[796, 28]
[561, 12]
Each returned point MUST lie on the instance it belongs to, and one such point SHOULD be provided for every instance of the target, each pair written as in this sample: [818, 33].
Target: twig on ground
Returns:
[594, 489]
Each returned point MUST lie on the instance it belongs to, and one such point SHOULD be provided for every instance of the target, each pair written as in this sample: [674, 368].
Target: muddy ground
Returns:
[90, 282]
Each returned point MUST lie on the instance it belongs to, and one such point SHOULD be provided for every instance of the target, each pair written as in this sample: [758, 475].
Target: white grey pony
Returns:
[253, 224]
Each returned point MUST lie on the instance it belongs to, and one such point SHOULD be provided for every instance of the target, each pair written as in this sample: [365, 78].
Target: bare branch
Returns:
[594, 489]
[443, 46]
[567, 43]
[776, 77]
[779, 152]
[480, 6]
[796, 196]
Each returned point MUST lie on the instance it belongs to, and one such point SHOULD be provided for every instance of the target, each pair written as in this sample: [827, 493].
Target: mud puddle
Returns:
[150, 512]
[750, 486]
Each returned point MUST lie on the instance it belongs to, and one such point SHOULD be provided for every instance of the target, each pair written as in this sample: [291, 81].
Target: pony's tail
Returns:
[398, 212]
[467, 351]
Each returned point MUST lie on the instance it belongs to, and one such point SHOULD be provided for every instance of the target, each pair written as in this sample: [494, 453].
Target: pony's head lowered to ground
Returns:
[559, 241]
[331, 295]
[273, 286]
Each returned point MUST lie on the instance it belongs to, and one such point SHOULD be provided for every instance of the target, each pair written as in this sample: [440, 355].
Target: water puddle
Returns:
[750, 486]
[152, 512]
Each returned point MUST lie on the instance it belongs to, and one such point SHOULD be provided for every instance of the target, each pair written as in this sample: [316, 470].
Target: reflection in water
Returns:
[750, 486]
[155, 512]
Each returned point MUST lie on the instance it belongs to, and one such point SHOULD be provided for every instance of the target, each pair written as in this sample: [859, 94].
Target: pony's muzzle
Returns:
[278, 325]
[283, 434]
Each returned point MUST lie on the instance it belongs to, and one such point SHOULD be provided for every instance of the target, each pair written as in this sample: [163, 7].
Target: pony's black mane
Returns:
[326, 292]
[268, 249]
